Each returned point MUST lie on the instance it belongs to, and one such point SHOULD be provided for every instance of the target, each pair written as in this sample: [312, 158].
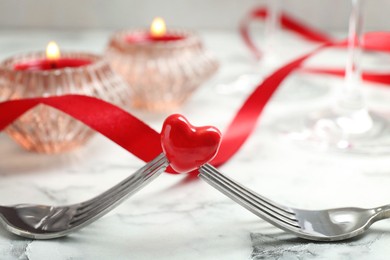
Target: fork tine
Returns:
[131, 180]
[260, 206]
[110, 198]
[122, 189]
[107, 202]
[269, 203]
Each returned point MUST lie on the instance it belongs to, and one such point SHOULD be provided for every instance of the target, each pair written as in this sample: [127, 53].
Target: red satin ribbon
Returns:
[138, 138]
[378, 41]
[116, 124]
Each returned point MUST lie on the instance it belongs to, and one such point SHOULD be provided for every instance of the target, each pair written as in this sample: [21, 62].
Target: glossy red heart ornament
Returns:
[188, 147]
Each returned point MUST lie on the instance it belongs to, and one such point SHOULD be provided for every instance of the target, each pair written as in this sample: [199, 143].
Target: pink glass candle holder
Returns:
[162, 72]
[45, 129]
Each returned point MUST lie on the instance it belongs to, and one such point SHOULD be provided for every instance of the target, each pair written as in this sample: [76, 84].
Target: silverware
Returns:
[320, 225]
[45, 222]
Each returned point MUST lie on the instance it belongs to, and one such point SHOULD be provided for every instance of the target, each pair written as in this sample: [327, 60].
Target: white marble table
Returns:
[174, 218]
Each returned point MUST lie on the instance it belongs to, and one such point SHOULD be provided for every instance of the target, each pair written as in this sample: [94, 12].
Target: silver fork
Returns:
[319, 225]
[45, 222]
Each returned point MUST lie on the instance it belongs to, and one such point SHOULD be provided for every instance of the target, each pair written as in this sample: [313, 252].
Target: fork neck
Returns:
[382, 212]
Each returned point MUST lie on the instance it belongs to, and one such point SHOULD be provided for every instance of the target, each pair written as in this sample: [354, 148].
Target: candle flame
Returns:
[52, 51]
[158, 27]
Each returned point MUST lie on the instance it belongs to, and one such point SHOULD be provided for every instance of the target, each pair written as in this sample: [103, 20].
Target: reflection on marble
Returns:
[277, 247]
[175, 218]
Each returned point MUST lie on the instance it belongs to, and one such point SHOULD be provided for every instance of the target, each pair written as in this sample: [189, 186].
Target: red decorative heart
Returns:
[188, 147]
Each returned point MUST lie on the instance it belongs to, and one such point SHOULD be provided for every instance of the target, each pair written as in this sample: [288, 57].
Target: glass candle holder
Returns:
[163, 73]
[44, 129]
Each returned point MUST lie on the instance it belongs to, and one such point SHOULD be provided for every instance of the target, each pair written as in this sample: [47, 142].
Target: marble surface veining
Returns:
[178, 218]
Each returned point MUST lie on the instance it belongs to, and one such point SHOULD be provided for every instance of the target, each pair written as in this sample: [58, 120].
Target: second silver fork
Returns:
[319, 225]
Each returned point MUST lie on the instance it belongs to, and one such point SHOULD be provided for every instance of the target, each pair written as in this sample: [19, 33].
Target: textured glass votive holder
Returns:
[162, 74]
[44, 129]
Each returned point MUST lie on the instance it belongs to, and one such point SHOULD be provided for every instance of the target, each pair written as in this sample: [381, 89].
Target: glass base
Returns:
[252, 77]
[245, 84]
[297, 87]
[363, 132]
[301, 87]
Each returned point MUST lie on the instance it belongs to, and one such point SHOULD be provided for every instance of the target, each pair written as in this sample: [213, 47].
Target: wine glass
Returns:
[269, 60]
[348, 125]
[274, 55]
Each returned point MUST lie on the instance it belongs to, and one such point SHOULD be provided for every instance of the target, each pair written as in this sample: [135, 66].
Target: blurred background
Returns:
[330, 15]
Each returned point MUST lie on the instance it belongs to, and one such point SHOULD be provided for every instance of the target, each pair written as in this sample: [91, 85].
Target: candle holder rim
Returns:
[97, 60]
[189, 37]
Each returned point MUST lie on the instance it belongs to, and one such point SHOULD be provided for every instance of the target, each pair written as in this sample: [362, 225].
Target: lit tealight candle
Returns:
[53, 61]
[157, 33]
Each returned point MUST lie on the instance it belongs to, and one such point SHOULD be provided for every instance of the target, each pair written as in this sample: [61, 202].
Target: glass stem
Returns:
[351, 97]
[272, 25]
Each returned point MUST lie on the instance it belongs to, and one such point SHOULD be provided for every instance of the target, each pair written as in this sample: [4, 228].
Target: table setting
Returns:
[171, 143]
